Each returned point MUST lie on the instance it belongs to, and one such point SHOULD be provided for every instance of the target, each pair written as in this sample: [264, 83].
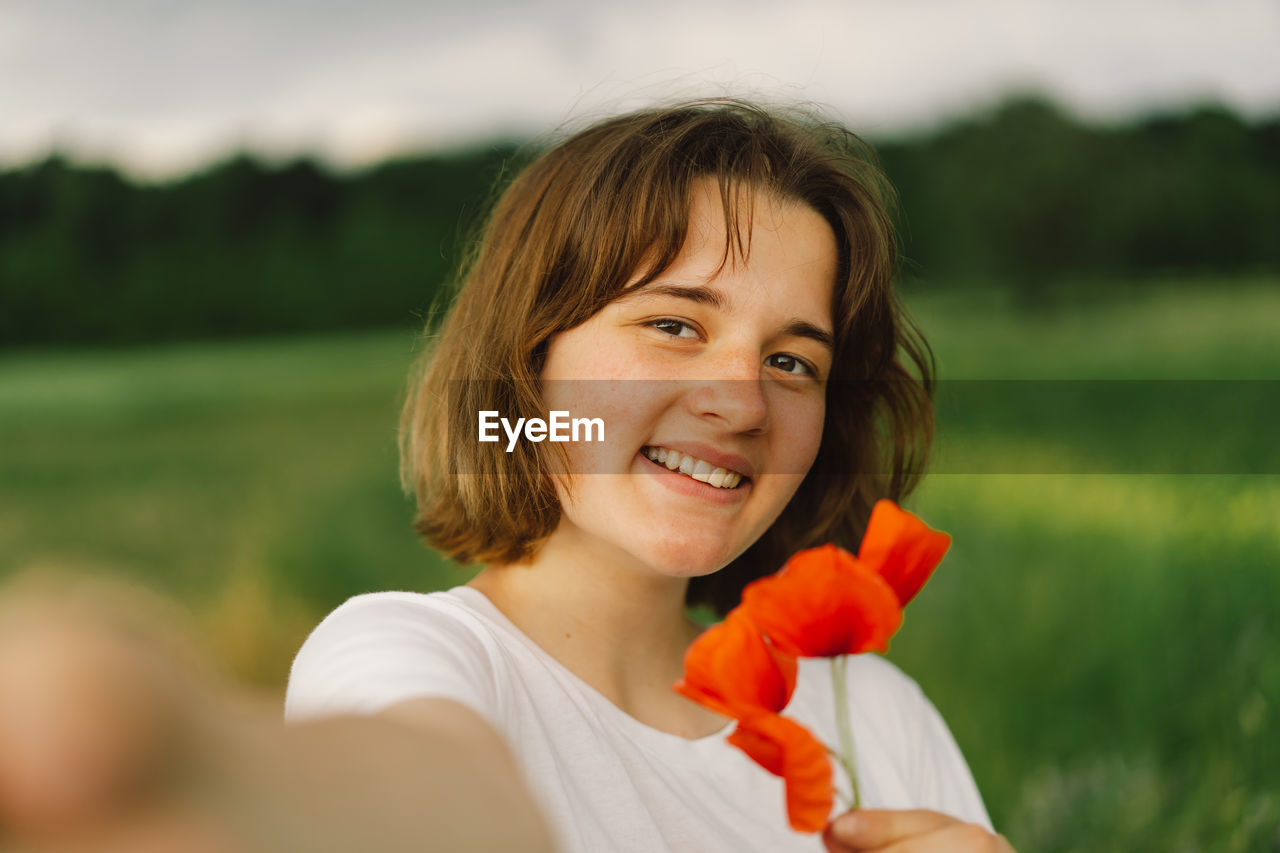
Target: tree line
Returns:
[1024, 196]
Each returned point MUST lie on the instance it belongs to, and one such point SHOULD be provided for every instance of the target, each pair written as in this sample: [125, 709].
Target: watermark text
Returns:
[560, 427]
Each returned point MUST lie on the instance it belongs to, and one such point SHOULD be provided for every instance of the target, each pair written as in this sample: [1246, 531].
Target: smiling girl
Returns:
[714, 281]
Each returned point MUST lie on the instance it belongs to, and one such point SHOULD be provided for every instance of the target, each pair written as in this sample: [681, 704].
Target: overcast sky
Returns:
[163, 86]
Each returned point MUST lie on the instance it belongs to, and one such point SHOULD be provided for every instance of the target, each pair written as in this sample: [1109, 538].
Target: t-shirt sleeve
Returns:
[380, 649]
[943, 779]
[915, 739]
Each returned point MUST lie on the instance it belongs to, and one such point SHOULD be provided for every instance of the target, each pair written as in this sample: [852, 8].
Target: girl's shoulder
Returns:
[396, 609]
[902, 741]
[886, 700]
[873, 684]
[380, 648]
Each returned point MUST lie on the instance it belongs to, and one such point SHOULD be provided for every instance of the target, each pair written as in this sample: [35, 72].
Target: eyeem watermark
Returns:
[560, 427]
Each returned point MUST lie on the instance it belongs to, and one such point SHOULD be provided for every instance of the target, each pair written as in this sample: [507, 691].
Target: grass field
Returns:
[1105, 646]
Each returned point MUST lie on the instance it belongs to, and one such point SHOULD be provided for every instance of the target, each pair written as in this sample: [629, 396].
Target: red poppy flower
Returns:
[787, 749]
[823, 603]
[901, 548]
[731, 669]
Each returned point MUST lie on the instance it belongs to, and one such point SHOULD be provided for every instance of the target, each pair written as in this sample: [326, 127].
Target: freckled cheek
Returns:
[630, 410]
[798, 429]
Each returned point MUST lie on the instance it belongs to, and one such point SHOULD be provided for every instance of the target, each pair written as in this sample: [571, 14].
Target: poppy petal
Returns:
[901, 548]
[732, 670]
[824, 603]
[787, 749]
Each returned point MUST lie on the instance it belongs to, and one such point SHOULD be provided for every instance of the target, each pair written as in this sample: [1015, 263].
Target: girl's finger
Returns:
[863, 829]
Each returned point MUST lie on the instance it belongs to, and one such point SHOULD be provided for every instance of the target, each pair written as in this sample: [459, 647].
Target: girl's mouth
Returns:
[694, 468]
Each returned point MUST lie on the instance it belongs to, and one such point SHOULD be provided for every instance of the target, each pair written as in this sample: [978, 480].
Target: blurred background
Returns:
[221, 225]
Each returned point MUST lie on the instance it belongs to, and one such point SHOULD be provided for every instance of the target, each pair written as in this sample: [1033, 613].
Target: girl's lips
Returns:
[686, 485]
[714, 457]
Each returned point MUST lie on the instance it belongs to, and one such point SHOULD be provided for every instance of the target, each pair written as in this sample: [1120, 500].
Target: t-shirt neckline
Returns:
[638, 732]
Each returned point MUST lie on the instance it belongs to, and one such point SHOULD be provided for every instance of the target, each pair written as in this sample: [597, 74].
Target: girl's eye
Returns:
[674, 328]
[789, 364]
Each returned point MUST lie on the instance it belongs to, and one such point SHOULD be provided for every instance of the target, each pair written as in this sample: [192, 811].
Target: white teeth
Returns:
[698, 469]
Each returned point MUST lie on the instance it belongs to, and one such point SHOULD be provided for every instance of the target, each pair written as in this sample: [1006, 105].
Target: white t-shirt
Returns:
[607, 782]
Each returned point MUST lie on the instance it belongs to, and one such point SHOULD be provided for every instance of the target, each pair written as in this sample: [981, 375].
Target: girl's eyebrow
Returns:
[705, 295]
[798, 328]
[699, 293]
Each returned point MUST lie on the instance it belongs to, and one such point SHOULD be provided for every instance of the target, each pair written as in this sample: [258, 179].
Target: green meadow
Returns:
[1103, 639]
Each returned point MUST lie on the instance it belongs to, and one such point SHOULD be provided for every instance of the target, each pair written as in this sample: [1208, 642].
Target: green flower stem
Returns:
[845, 802]
[838, 665]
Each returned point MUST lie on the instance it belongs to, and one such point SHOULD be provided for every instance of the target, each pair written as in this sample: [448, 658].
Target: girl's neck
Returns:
[619, 626]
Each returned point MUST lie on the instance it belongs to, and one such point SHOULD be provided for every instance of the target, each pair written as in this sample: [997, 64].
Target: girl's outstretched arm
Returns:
[109, 741]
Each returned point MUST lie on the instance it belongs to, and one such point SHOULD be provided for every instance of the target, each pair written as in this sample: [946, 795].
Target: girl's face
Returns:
[725, 367]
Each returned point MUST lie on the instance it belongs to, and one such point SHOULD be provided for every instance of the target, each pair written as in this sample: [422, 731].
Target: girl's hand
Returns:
[918, 831]
[100, 699]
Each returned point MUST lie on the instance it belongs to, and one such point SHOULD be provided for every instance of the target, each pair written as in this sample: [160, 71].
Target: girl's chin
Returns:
[689, 562]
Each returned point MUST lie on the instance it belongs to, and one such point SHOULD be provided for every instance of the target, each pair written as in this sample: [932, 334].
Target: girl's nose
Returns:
[734, 398]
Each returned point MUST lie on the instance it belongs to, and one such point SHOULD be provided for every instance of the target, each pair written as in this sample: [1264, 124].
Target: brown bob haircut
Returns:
[565, 239]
